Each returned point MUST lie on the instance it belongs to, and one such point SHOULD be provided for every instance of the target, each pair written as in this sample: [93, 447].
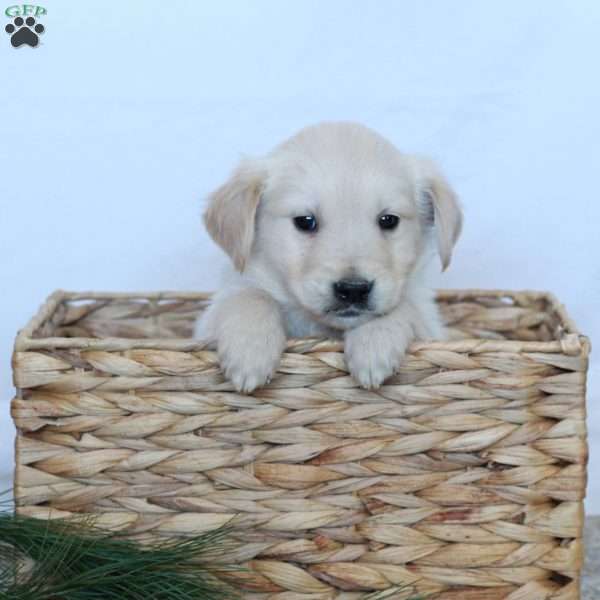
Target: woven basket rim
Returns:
[571, 341]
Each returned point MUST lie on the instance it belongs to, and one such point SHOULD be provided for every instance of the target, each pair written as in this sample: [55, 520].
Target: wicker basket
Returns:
[461, 478]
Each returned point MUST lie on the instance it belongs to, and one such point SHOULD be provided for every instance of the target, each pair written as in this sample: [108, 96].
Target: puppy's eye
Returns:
[388, 221]
[306, 223]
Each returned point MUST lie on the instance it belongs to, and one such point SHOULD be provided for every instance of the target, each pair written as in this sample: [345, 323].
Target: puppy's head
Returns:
[336, 221]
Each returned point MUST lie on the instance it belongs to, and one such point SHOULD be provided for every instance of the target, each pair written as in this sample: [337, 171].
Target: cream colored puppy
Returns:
[329, 234]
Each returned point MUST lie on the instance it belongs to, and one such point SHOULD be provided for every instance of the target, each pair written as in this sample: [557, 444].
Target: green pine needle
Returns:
[74, 560]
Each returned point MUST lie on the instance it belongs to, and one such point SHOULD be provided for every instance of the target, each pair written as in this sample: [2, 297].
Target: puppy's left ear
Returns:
[442, 207]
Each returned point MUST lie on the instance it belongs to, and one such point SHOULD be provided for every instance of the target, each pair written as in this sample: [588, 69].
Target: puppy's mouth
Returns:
[348, 312]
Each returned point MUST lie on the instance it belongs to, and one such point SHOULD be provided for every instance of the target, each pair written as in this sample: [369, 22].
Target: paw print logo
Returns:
[24, 32]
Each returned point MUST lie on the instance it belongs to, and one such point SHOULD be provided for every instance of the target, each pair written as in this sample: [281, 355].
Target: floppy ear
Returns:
[230, 215]
[441, 204]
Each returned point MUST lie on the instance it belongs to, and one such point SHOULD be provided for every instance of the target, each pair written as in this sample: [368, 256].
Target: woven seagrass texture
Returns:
[460, 478]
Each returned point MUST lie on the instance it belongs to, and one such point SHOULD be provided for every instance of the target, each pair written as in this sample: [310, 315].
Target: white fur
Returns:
[346, 175]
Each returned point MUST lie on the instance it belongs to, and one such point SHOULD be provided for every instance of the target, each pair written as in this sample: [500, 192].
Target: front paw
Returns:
[250, 361]
[374, 353]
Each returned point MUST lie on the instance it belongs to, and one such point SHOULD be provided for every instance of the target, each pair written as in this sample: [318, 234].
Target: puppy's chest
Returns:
[299, 323]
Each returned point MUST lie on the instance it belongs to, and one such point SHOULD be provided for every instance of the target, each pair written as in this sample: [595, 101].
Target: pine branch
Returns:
[73, 560]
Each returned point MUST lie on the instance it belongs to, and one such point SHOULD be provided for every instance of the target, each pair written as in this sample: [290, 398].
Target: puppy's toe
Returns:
[248, 373]
[243, 382]
[371, 374]
[252, 364]
[372, 357]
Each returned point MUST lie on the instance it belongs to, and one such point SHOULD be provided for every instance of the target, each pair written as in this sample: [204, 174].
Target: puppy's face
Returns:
[334, 221]
[341, 233]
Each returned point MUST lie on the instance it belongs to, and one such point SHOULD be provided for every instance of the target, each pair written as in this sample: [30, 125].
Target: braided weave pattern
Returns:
[461, 478]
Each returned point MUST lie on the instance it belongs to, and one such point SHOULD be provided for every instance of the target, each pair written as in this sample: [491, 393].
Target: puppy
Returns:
[329, 234]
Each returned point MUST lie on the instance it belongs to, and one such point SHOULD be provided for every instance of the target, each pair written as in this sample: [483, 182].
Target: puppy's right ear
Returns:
[231, 212]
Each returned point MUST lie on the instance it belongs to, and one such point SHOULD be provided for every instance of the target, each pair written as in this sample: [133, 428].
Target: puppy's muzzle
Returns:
[352, 292]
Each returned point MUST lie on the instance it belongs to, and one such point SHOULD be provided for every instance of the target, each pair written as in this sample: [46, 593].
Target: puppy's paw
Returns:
[374, 352]
[249, 360]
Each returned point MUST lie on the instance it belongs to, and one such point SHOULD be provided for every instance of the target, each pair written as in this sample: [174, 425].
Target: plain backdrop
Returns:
[114, 129]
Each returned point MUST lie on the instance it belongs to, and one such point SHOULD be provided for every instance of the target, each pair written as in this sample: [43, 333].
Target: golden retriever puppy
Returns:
[329, 234]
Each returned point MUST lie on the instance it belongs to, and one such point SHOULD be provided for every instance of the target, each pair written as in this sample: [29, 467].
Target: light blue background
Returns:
[118, 124]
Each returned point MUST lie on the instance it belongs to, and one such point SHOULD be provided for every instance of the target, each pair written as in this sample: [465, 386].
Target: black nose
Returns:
[352, 291]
